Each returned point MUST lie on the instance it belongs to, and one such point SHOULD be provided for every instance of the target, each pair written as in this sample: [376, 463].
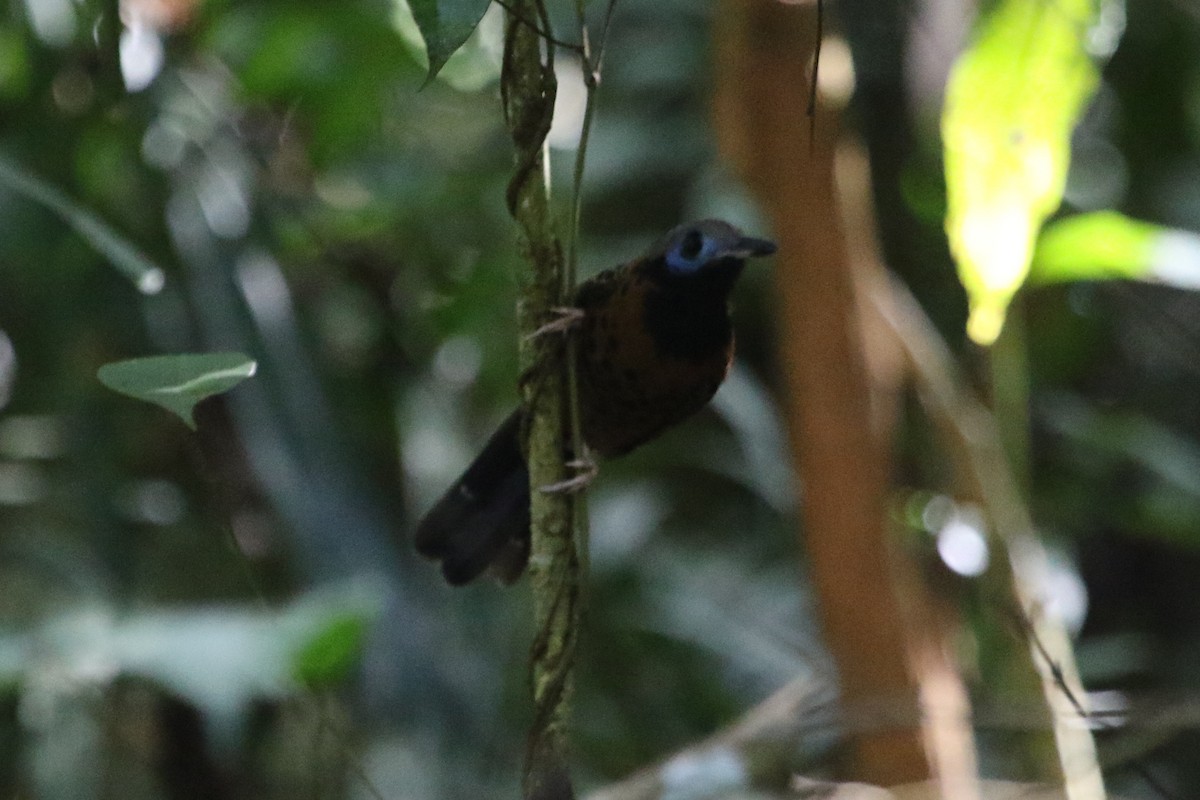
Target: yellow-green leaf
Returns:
[177, 382]
[1011, 103]
[1106, 245]
[1097, 246]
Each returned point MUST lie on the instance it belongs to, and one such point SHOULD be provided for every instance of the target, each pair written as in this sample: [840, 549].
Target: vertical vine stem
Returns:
[550, 387]
[528, 88]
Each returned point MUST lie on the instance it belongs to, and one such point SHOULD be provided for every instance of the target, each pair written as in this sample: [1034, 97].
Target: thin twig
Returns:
[1060, 680]
[590, 64]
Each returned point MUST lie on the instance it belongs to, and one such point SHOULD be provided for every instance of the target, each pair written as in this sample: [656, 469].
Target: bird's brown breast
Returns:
[631, 389]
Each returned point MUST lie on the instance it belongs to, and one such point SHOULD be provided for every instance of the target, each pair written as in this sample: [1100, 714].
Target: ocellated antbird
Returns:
[655, 343]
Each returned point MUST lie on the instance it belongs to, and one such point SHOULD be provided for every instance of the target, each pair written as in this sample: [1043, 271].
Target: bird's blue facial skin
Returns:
[693, 250]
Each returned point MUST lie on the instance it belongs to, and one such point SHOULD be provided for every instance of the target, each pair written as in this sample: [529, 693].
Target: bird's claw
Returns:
[587, 473]
[566, 318]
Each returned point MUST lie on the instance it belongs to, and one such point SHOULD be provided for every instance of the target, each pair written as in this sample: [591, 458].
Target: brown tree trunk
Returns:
[904, 701]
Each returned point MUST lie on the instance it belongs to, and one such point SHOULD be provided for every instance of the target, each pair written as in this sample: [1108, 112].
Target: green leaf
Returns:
[1011, 103]
[1098, 246]
[329, 656]
[177, 382]
[1106, 245]
[445, 26]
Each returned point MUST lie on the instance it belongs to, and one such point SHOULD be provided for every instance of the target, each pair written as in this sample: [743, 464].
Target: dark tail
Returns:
[482, 521]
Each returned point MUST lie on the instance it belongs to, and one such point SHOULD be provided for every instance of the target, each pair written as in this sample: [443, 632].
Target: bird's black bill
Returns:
[748, 246]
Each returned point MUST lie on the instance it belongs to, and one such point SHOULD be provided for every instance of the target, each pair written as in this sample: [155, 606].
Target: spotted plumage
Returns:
[655, 343]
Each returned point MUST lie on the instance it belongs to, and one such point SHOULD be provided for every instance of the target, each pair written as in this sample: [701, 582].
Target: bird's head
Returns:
[693, 269]
[707, 246]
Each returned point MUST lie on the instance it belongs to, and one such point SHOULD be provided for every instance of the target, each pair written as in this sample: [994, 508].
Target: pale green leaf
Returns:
[1011, 103]
[177, 382]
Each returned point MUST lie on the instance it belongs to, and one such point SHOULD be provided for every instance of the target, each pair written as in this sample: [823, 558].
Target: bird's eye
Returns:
[692, 244]
[690, 253]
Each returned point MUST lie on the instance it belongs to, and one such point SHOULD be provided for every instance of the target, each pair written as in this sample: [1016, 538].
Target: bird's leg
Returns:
[566, 318]
[587, 472]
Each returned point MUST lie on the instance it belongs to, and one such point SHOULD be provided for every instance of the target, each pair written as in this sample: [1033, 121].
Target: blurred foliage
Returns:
[316, 204]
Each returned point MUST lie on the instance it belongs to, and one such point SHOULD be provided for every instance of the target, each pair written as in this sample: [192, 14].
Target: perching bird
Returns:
[655, 343]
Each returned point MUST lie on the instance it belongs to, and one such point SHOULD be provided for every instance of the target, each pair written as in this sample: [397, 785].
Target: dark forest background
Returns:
[237, 612]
